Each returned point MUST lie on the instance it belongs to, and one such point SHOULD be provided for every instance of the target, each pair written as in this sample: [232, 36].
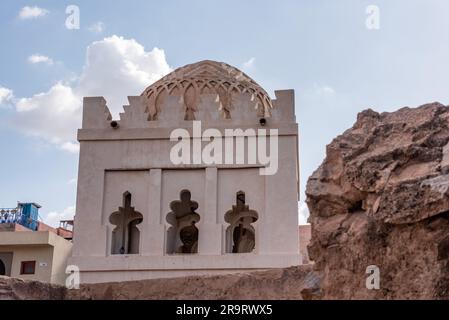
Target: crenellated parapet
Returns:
[96, 113]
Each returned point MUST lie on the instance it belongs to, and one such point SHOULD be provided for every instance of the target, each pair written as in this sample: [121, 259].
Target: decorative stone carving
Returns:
[208, 106]
[240, 230]
[183, 219]
[126, 235]
[205, 77]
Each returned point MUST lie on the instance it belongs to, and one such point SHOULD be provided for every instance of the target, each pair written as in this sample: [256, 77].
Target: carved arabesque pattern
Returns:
[204, 77]
[183, 218]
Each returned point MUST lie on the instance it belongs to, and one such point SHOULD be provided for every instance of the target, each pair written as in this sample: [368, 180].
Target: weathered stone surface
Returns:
[17, 289]
[273, 284]
[381, 197]
[289, 283]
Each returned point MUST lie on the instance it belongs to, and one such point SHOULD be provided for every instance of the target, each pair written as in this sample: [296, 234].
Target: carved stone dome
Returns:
[205, 77]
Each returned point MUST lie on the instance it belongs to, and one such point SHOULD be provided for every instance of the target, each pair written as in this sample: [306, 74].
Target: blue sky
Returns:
[322, 49]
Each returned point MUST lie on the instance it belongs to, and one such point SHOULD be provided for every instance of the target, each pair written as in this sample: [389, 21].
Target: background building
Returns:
[30, 249]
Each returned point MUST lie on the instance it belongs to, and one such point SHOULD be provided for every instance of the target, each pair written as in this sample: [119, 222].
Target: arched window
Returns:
[240, 235]
[126, 235]
[2, 268]
[182, 236]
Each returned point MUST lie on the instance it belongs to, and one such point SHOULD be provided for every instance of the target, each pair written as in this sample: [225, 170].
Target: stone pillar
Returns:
[209, 241]
[90, 230]
[278, 227]
[153, 226]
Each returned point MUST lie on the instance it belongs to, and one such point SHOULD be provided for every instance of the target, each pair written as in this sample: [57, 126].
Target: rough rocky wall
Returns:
[276, 284]
[16, 289]
[290, 283]
[381, 197]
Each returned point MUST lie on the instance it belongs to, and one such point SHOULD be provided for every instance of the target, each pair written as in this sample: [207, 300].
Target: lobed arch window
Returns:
[240, 235]
[126, 235]
[182, 236]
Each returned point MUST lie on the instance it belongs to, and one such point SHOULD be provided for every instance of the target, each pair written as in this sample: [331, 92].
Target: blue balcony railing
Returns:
[15, 215]
[10, 215]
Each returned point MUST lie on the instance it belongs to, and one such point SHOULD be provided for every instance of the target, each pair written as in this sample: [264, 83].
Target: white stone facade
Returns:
[129, 167]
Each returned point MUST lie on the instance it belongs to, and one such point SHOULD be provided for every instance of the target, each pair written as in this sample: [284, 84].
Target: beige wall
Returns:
[62, 250]
[38, 253]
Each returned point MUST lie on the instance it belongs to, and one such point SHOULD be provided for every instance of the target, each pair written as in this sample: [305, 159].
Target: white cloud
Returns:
[118, 67]
[97, 27]
[249, 64]
[53, 218]
[324, 90]
[72, 181]
[115, 68]
[52, 115]
[71, 147]
[37, 58]
[303, 213]
[32, 12]
[6, 95]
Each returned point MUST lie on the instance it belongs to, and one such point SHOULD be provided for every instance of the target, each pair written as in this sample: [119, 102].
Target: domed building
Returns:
[206, 77]
[198, 176]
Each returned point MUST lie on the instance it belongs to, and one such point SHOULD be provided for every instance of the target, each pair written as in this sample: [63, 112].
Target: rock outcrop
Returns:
[381, 198]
